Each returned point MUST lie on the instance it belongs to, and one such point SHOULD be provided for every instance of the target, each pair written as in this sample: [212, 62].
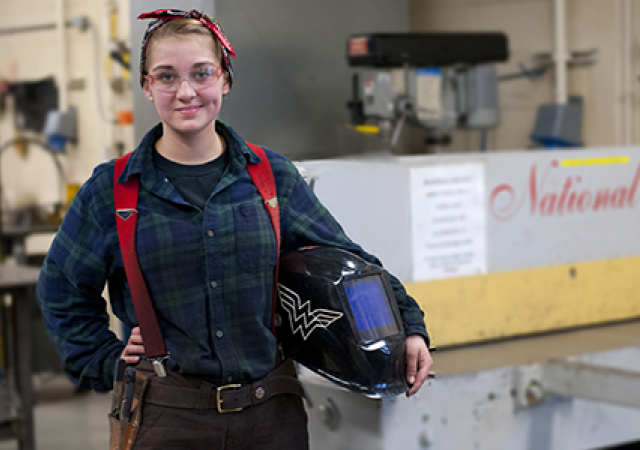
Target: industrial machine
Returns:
[525, 264]
[436, 81]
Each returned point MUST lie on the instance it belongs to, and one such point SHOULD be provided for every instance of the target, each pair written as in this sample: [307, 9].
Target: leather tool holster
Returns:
[124, 427]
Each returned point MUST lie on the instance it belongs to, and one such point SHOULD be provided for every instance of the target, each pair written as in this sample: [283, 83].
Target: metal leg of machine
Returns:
[580, 380]
[589, 401]
[16, 413]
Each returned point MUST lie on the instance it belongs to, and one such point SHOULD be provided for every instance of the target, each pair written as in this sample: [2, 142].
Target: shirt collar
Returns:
[236, 143]
[141, 160]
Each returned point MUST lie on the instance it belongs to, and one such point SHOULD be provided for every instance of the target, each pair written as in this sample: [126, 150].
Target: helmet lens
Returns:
[370, 308]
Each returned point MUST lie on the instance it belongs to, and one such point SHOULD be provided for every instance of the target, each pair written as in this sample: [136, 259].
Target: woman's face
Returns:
[187, 110]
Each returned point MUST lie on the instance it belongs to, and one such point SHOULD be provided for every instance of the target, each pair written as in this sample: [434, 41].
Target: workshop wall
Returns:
[31, 178]
[608, 85]
[293, 80]
[291, 89]
[313, 109]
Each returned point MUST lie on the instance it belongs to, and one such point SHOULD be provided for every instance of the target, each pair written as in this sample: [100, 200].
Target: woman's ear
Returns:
[227, 84]
[147, 91]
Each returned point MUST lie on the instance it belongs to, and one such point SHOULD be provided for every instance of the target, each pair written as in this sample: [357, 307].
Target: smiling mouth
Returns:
[189, 109]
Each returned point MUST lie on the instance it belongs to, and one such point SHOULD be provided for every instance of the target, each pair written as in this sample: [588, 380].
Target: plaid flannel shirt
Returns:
[209, 272]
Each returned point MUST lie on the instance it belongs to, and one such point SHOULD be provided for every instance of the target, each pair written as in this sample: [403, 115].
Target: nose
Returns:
[185, 90]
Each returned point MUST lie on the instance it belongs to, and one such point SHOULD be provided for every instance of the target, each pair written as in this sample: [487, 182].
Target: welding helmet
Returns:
[337, 315]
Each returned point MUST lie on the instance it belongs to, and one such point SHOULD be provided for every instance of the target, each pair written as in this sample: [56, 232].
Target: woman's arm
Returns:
[305, 221]
[69, 293]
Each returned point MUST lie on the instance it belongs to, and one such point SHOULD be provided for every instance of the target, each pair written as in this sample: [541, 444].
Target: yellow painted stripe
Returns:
[367, 129]
[602, 161]
[479, 308]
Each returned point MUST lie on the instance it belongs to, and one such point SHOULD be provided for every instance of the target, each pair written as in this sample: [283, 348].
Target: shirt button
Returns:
[219, 333]
[210, 233]
[214, 284]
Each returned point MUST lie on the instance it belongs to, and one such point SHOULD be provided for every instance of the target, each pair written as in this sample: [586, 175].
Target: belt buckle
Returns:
[219, 399]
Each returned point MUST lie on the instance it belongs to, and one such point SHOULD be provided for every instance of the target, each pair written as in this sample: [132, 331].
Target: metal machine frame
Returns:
[538, 332]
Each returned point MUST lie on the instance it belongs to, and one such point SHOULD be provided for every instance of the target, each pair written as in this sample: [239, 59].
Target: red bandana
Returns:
[162, 16]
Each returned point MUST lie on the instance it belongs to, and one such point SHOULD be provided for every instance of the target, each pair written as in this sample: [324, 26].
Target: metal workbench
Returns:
[16, 391]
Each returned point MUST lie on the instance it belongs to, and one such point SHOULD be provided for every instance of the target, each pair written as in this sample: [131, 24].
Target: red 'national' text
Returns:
[572, 198]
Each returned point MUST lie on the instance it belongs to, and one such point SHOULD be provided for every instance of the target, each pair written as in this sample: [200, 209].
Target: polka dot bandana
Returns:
[163, 16]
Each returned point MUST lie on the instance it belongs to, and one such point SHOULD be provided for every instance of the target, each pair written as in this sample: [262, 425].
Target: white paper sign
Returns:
[448, 221]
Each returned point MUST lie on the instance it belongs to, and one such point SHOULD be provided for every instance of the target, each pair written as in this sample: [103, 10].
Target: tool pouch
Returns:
[124, 429]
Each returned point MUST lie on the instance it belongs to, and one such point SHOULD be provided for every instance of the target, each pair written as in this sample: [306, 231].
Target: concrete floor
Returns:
[65, 419]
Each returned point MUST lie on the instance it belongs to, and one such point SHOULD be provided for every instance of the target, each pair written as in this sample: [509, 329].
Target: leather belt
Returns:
[228, 397]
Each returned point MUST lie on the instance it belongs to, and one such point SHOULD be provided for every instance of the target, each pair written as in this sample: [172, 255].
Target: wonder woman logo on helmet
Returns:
[301, 317]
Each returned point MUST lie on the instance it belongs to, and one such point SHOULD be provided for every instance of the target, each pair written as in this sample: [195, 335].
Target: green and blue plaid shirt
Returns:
[209, 272]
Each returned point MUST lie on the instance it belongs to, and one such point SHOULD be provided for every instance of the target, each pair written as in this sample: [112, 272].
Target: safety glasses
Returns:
[200, 77]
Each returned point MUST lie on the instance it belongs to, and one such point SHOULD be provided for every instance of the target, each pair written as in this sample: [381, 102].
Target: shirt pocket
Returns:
[254, 237]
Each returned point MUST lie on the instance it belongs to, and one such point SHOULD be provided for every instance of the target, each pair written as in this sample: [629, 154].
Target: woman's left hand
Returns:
[419, 362]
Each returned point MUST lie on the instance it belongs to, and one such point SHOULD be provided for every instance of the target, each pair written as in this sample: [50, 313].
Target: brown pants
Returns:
[279, 423]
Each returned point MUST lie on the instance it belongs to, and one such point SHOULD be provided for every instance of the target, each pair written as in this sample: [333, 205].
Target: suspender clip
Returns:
[158, 365]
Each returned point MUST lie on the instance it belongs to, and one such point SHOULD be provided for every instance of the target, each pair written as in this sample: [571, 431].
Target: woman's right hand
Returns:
[134, 348]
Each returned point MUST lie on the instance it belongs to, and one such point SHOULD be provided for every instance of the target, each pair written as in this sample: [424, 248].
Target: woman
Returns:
[207, 251]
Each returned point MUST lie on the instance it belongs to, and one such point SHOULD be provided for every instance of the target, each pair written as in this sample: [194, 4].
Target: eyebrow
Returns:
[170, 67]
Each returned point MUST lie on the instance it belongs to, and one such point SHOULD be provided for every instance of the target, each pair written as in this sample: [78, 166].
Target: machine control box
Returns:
[426, 49]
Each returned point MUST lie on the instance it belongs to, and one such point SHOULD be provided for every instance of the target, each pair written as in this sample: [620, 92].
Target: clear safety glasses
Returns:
[199, 77]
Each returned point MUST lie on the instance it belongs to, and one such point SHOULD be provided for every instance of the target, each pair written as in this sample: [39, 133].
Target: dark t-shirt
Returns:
[195, 183]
